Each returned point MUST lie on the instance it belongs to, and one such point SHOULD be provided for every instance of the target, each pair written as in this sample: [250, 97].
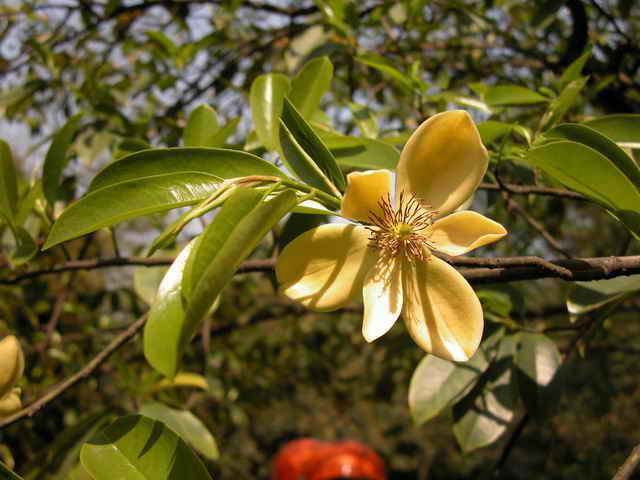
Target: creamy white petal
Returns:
[324, 268]
[382, 295]
[443, 161]
[441, 310]
[364, 191]
[461, 232]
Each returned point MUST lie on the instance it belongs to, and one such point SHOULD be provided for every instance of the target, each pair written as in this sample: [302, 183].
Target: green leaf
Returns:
[166, 318]
[492, 130]
[622, 128]
[574, 70]
[202, 128]
[186, 425]
[233, 234]
[484, 414]
[7, 474]
[8, 183]
[266, 96]
[584, 297]
[146, 281]
[139, 448]
[153, 181]
[190, 286]
[512, 95]
[587, 171]
[385, 66]
[24, 249]
[365, 153]
[537, 360]
[437, 384]
[130, 145]
[306, 153]
[221, 136]
[567, 99]
[311, 83]
[56, 158]
[600, 143]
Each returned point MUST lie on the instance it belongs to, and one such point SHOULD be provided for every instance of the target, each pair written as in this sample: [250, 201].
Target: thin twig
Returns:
[629, 465]
[534, 190]
[81, 375]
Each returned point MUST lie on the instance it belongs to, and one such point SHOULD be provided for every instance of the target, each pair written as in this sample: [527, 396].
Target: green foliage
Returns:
[284, 100]
[136, 448]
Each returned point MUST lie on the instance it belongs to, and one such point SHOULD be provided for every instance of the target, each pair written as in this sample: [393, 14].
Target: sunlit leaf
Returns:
[574, 70]
[267, 94]
[537, 360]
[561, 105]
[202, 128]
[8, 183]
[186, 425]
[311, 83]
[622, 128]
[139, 448]
[584, 297]
[386, 67]
[153, 181]
[511, 95]
[365, 153]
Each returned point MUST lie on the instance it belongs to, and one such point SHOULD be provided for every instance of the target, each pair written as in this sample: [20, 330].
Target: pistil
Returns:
[404, 230]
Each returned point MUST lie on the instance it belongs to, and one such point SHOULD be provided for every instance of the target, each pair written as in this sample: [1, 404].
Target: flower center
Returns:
[403, 230]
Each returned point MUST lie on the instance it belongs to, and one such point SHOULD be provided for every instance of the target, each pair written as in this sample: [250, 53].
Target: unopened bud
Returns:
[11, 364]
[10, 403]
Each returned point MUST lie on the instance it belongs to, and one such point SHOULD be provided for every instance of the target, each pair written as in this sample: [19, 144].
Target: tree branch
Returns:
[535, 190]
[481, 270]
[81, 375]
[629, 465]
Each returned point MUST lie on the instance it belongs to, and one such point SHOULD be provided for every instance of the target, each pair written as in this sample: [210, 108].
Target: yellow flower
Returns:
[389, 258]
[11, 364]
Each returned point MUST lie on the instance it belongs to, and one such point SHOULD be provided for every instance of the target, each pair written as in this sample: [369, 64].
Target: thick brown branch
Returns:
[629, 465]
[486, 270]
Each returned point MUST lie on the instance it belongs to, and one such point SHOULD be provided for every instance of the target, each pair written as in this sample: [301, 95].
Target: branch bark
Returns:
[475, 270]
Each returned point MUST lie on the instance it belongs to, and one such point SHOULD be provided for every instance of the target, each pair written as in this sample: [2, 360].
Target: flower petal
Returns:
[382, 295]
[364, 190]
[324, 268]
[441, 310]
[461, 232]
[443, 161]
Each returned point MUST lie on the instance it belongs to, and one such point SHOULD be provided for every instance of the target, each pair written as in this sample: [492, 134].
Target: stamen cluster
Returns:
[405, 229]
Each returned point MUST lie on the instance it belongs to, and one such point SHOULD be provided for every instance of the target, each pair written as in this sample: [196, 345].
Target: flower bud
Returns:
[10, 403]
[11, 364]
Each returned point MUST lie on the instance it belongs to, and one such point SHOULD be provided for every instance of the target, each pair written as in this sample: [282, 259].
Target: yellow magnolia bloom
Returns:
[389, 258]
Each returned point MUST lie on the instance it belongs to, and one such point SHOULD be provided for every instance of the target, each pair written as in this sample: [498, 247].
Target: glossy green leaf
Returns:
[182, 380]
[492, 130]
[186, 425]
[310, 84]
[386, 67]
[307, 154]
[7, 474]
[146, 281]
[266, 96]
[56, 158]
[232, 235]
[622, 128]
[202, 127]
[587, 171]
[138, 448]
[128, 146]
[502, 95]
[484, 414]
[584, 297]
[365, 120]
[153, 181]
[8, 183]
[166, 319]
[561, 105]
[437, 384]
[574, 70]
[221, 136]
[600, 143]
[537, 360]
[364, 153]
[191, 286]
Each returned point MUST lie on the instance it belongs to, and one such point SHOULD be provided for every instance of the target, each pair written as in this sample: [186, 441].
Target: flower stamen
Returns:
[404, 230]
